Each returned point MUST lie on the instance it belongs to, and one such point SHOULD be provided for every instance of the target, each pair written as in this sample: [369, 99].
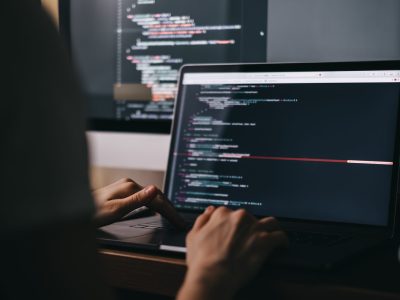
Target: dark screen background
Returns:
[327, 121]
[96, 52]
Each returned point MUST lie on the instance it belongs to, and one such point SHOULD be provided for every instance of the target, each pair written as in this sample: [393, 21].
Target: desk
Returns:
[372, 275]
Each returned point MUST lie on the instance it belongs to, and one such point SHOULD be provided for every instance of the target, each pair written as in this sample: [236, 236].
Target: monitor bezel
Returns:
[389, 228]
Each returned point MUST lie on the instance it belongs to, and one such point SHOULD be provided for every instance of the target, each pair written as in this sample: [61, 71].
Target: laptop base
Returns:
[151, 233]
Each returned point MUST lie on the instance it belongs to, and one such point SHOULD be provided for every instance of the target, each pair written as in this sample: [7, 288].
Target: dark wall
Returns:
[326, 30]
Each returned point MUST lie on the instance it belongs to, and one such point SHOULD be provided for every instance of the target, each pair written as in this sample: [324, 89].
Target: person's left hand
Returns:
[121, 197]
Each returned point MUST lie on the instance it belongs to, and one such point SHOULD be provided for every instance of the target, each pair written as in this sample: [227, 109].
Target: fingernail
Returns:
[209, 209]
[149, 189]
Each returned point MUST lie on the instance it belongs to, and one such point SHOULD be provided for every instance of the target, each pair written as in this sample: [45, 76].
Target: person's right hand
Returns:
[225, 249]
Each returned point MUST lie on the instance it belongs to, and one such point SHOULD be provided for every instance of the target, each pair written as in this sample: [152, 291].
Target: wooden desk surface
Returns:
[143, 272]
[372, 275]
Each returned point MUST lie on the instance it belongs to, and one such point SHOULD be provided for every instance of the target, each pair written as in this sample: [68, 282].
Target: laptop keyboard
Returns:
[295, 237]
[315, 239]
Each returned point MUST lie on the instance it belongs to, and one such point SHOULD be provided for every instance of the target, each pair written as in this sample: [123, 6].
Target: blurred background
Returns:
[295, 31]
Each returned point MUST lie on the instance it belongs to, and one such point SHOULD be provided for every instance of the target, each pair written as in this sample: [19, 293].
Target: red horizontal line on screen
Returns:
[303, 159]
[322, 160]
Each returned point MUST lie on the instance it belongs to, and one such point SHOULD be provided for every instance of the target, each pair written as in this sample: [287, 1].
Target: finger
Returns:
[115, 183]
[268, 224]
[122, 180]
[243, 222]
[119, 189]
[203, 218]
[136, 200]
[263, 244]
[123, 189]
[242, 216]
[221, 212]
[163, 206]
[270, 241]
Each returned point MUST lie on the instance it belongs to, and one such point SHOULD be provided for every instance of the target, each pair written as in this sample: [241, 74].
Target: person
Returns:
[47, 219]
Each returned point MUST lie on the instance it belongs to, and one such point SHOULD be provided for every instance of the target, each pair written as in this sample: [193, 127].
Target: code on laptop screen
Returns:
[304, 145]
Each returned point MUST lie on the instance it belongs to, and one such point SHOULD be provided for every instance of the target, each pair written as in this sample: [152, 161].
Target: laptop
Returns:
[313, 144]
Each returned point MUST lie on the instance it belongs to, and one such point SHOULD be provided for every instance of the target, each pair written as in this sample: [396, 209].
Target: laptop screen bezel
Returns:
[294, 67]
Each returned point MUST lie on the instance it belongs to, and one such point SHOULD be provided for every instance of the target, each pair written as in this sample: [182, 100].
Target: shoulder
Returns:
[43, 154]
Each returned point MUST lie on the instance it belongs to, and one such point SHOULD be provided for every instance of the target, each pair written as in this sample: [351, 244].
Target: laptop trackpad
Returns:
[152, 239]
[160, 237]
[129, 228]
[115, 232]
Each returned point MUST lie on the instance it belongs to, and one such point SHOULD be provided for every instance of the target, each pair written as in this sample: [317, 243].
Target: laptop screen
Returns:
[303, 145]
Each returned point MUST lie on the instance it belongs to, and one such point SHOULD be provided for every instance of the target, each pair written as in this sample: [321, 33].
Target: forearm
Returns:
[196, 287]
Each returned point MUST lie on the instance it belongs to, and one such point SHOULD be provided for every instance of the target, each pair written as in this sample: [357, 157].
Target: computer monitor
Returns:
[128, 52]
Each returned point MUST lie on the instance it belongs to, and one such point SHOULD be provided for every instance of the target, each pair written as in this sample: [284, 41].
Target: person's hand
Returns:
[119, 198]
[225, 249]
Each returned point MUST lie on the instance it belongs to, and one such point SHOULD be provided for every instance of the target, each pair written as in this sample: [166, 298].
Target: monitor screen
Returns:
[128, 52]
[302, 145]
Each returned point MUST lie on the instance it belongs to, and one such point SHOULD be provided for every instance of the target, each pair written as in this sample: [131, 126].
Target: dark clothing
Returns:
[44, 174]
[47, 245]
